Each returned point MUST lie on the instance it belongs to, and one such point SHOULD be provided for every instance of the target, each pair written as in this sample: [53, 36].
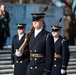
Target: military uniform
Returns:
[41, 52]
[61, 56]
[20, 63]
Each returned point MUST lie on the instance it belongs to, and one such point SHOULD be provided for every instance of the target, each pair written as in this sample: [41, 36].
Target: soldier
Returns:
[61, 55]
[19, 63]
[41, 46]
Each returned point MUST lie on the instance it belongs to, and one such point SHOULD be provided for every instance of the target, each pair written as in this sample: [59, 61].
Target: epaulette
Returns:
[63, 40]
[50, 34]
[47, 36]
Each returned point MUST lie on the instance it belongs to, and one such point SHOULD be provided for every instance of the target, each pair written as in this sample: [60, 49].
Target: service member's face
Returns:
[38, 24]
[21, 31]
[56, 33]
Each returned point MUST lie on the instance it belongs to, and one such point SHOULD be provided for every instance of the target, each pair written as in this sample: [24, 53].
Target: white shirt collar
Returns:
[37, 31]
[55, 39]
[20, 36]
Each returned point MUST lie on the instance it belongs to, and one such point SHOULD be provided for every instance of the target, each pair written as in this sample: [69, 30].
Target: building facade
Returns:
[27, 1]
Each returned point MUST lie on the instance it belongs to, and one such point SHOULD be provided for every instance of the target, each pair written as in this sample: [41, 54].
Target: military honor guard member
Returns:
[19, 61]
[41, 46]
[61, 55]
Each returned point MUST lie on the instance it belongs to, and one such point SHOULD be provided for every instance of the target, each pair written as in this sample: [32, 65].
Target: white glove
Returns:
[18, 53]
[13, 66]
[63, 71]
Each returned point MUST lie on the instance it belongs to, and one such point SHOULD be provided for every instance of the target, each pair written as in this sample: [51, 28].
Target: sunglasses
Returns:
[20, 27]
[55, 30]
[35, 20]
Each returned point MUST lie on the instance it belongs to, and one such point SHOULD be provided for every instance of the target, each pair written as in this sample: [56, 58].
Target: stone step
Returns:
[8, 46]
[7, 74]
[71, 71]
[72, 59]
[72, 47]
[5, 51]
[6, 71]
[71, 74]
[5, 66]
[5, 62]
[72, 63]
[71, 67]
[5, 55]
[73, 56]
[5, 58]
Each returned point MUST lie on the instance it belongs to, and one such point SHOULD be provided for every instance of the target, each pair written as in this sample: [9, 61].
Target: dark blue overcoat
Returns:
[62, 50]
[20, 63]
[42, 47]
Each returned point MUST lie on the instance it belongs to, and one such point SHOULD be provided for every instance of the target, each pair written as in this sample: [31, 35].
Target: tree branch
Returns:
[69, 4]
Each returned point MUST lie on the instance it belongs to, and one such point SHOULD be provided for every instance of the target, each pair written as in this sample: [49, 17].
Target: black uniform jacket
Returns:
[20, 63]
[42, 45]
[61, 56]
[2, 28]
[7, 16]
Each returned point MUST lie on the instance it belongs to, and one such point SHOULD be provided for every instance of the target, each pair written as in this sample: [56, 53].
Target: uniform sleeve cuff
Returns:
[63, 67]
[47, 70]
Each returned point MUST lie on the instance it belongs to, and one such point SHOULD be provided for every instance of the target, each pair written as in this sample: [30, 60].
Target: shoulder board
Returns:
[63, 40]
[47, 36]
[50, 34]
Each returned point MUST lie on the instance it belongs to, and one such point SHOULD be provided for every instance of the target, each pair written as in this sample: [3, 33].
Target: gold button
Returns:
[30, 50]
[32, 54]
[35, 58]
[55, 65]
[16, 61]
[30, 58]
[54, 58]
[34, 50]
[35, 67]
[20, 61]
[31, 67]
[55, 53]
